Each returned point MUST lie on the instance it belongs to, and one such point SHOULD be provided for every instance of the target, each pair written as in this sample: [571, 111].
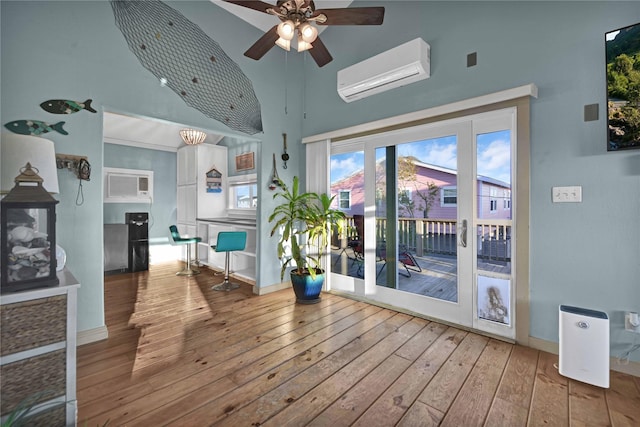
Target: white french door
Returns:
[438, 209]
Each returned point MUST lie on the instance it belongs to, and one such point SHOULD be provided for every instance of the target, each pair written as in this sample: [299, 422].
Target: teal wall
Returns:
[581, 254]
[235, 147]
[162, 211]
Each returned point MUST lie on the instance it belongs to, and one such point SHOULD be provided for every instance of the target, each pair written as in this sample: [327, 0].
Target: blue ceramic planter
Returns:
[307, 290]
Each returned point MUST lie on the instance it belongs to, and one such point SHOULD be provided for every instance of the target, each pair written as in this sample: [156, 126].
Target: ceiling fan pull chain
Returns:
[304, 88]
[286, 68]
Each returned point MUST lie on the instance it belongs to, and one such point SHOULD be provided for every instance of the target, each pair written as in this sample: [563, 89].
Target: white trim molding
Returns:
[92, 335]
[479, 101]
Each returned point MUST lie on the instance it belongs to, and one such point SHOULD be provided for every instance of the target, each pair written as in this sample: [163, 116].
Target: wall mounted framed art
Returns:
[245, 162]
[623, 88]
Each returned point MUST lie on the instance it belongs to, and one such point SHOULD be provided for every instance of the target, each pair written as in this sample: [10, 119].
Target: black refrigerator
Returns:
[138, 236]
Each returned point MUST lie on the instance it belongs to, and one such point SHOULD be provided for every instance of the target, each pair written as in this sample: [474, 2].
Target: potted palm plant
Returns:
[305, 221]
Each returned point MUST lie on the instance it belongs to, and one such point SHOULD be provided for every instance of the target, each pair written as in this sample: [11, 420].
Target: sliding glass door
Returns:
[430, 219]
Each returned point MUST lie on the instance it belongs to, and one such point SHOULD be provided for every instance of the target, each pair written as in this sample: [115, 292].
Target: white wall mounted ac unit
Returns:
[127, 185]
[396, 67]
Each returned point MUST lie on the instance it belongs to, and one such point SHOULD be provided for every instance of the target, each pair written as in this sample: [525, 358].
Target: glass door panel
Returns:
[421, 247]
[347, 185]
[494, 228]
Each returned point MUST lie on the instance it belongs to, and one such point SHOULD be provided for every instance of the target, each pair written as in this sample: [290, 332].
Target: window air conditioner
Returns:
[128, 185]
[396, 67]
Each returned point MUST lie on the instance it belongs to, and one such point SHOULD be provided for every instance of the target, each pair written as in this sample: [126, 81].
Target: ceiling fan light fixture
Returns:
[285, 44]
[303, 45]
[308, 32]
[192, 136]
[286, 30]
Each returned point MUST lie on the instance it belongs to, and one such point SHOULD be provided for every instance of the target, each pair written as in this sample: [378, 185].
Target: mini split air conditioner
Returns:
[396, 67]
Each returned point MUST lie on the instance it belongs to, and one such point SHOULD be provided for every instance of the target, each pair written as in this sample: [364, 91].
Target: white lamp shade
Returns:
[18, 150]
[303, 45]
[285, 44]
[286, 30]
[308, 32]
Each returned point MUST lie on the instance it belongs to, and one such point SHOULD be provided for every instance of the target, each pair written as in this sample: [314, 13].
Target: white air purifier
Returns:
[584, 345]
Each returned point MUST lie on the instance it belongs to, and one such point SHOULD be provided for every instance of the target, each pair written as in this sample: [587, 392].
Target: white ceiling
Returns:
[146, 133]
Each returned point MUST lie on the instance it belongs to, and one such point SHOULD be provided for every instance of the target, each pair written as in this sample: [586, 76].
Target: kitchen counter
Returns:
[244, 261]
[245, 222]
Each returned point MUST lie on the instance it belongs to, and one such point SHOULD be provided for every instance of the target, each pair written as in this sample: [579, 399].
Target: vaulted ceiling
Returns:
[161, 135]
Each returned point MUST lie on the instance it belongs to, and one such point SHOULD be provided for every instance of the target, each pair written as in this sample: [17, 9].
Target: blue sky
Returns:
[494, 156]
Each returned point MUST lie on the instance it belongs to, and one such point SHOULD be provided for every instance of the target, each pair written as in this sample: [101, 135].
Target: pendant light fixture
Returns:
[192, 136]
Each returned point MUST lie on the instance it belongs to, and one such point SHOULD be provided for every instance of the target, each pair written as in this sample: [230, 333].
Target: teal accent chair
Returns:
[229, 241]
[179, 240]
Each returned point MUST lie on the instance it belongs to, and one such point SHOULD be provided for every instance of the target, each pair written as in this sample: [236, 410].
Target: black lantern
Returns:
[28, 217]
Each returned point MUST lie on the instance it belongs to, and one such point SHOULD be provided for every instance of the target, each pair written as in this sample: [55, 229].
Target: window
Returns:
[449, 196]
[507, 200]
[243, 193]
[344, 199]
[405, 194]
[493, 202]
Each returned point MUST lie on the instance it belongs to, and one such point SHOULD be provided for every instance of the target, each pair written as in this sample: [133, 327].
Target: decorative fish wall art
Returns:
[63, 106]
[34, 127]
[193, 65]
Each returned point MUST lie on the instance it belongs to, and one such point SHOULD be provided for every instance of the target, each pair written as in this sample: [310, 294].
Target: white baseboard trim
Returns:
[631, 368]
[92, 335]
[272, 288]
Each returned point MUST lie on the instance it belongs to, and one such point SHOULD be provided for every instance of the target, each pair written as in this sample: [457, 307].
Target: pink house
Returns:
[494, 196]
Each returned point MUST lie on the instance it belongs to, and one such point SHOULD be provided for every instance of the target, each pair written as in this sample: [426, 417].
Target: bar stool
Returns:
[229, 241]
[178, 240]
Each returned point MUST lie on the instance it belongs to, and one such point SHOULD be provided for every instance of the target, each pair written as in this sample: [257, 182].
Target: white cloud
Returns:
[343, 166]
[494, 160]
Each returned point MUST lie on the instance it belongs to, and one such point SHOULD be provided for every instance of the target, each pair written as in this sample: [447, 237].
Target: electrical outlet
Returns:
[632, 322]
[571, 194]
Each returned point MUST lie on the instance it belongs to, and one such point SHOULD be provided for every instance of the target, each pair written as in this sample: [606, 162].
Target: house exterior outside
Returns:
[493, 196]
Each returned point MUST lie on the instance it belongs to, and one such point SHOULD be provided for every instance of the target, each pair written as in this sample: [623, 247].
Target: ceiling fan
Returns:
[296, 16]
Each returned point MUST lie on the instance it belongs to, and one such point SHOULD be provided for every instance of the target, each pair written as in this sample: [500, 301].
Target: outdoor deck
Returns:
[437, 278]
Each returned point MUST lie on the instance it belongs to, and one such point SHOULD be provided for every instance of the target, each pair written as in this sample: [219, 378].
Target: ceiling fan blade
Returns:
[352, 16]
[260, 6]
[319, 53]
[263, 45]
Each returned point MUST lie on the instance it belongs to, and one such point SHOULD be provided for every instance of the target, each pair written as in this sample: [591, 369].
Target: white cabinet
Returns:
[187, 165]
[38, 352]
[187, 201]
[194, 199]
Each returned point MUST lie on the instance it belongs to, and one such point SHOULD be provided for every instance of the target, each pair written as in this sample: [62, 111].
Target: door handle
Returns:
[463, 234]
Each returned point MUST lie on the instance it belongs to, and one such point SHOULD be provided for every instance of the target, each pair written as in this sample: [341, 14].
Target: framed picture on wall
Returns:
[245, 162]
[623, 88]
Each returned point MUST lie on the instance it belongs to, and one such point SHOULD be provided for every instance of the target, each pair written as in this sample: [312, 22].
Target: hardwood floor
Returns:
[181, 354]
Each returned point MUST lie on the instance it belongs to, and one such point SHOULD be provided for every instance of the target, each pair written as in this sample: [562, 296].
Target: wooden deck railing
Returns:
[431, 236]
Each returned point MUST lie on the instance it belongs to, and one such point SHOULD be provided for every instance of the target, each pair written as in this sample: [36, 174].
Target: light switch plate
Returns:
[572, 194]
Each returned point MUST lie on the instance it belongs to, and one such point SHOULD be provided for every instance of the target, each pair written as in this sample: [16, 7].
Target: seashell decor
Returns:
[29, 250]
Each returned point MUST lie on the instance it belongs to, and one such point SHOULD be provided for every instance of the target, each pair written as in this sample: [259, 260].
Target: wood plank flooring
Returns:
[181, 354]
